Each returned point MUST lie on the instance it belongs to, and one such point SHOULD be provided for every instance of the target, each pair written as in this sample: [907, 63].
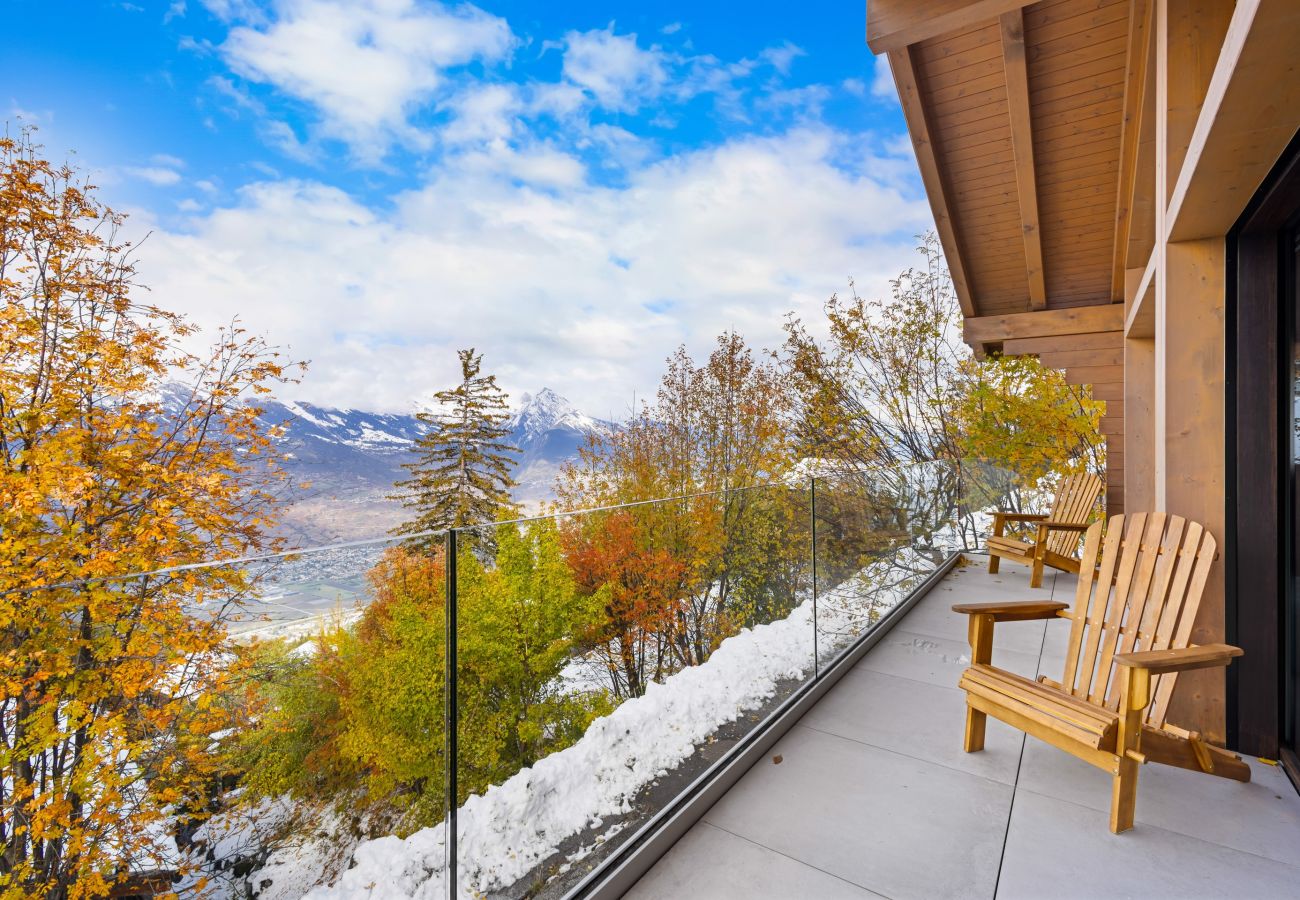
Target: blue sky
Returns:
[572, 188]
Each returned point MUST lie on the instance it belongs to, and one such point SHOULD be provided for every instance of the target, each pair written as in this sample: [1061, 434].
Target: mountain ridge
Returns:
[343, 462]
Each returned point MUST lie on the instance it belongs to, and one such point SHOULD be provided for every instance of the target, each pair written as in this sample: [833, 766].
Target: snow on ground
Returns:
[511, 828]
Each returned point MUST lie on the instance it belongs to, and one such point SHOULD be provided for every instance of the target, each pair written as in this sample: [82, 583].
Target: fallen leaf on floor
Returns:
[776, 760]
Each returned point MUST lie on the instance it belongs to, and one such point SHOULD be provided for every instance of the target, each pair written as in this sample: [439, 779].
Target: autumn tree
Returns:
[717, 441]
[637, 587]
[893, 386]
[121, 451]
[461, 473]
[359, 724]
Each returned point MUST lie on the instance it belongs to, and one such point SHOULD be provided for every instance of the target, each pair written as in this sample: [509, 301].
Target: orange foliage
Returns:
[106, 701]
[642, 588]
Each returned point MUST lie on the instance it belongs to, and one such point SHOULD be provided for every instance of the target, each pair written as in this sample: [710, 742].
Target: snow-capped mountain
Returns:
[343, 462]
[548, 430]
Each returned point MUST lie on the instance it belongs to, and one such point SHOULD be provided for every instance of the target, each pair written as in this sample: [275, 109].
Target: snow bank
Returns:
[512, 827]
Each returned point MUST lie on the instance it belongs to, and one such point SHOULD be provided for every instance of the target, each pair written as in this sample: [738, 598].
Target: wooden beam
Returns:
[1101, 340]
[894, 24]
[909, 94]
[1022, 146]
[1135, 82]
[1108, 392]
[1250, 112]
[1045, 323]
[1095, 375]
[1140, 321]
[1194, 450]
[1112, 425]
[1068, 359]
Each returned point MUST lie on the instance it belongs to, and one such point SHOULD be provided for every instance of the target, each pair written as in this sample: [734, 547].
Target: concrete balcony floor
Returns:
[873, 795]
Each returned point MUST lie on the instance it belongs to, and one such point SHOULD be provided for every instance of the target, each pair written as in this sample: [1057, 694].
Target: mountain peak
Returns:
[546, 410]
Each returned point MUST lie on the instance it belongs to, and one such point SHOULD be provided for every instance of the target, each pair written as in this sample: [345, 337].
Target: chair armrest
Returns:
[1019, 517]
[1013, 610]
[1204, 656]
[1065, 526]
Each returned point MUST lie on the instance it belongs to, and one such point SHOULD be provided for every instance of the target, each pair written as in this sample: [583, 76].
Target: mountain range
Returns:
[343, 462]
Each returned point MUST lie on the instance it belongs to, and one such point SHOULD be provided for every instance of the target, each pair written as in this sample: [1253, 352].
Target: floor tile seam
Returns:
[961, 639]
[900, 753]
[794, 859]
[1170, 831]
[860, 664]
[902, 627]
[1020, 764]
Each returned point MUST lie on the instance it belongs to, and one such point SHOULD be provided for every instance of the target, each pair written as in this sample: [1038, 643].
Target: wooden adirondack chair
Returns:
[1057, 541]
[1129, 638]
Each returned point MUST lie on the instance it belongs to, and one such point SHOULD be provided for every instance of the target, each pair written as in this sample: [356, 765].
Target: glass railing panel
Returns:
[880, 534]
[607, 659]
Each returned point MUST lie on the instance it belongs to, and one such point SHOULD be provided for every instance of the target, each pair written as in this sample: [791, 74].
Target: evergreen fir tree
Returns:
[461, 473]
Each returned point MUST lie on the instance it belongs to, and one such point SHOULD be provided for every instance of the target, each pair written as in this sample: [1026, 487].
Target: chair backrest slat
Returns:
[1198, 559]
[1140, 588]
[1129, 598]
[1110, 600]
[1140, 627]
[1088, 576]
[1083, 654]
[1076, 497]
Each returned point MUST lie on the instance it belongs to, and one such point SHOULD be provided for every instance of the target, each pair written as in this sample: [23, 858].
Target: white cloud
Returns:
[365, 65]
[160, 176]
[882, 84]
[781, 58]
[483, 113]
[611, 67]
[559, 281]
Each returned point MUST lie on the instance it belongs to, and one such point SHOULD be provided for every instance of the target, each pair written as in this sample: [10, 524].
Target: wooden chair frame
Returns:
[1129, 639]
[1056, 538]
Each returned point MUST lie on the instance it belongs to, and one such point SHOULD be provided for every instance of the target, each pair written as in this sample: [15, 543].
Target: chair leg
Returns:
[1036, 573]
[994, 562]
[1123, 796]
[975, 721]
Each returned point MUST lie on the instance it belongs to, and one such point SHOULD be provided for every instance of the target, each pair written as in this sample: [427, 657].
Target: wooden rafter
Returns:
[1135, 86]
[1022, 145]
[909, 94]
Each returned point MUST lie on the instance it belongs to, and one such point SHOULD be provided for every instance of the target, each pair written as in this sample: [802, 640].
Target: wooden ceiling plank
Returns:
[1022, 145]
[1045, 13]
[1135, 85]
[1090, 42]
[909, 94]
[893, 24]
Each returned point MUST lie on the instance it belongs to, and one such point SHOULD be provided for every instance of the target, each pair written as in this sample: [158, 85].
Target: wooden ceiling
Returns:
[1023, 116]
